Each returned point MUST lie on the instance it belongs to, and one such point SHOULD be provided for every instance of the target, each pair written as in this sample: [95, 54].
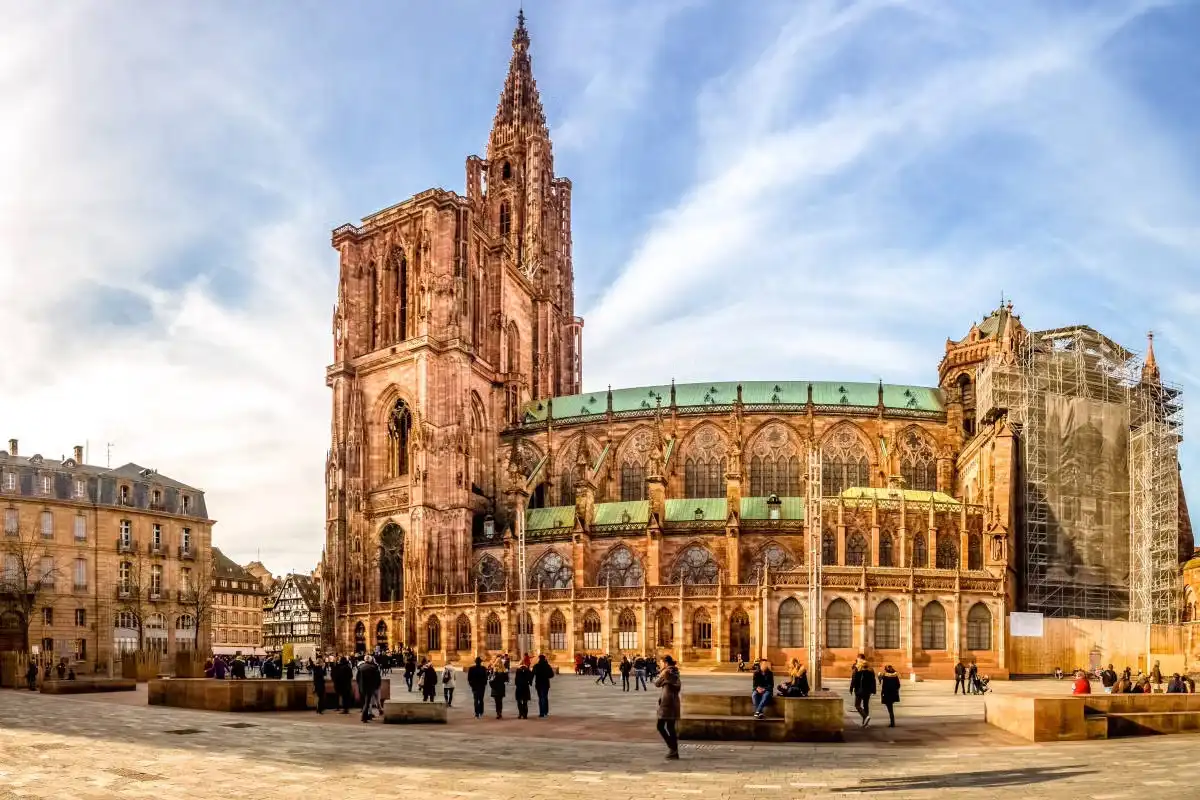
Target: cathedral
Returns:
[673, 519]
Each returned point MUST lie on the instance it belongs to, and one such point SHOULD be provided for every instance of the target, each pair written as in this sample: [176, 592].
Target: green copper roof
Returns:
[756, 508]
[692, 395]
[910, 495]
[615, 513]
[544, 519]
[685, 510]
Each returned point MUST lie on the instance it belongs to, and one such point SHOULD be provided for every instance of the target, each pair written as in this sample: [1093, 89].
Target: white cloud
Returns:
[137, 138]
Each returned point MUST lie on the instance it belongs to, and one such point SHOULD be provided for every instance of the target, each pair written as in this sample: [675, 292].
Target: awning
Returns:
[232, 651]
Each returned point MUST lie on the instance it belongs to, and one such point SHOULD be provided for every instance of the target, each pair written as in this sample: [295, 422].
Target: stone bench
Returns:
[817, 718]
[89, 685]
[1092, 716]
[405, 712]
[232, 695]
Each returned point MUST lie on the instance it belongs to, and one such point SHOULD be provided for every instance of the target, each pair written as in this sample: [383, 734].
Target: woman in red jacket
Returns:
[1082, 684]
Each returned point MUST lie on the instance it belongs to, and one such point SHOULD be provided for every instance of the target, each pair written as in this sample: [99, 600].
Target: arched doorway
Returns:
[360, 637]
[12, 633]
[739, 635]
[381, 637]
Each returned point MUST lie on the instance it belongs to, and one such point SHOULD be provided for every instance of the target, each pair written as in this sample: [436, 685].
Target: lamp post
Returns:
[812, 524]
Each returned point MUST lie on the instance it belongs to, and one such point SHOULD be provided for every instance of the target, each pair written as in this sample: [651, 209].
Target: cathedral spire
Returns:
[519, 114]
[1150, 371]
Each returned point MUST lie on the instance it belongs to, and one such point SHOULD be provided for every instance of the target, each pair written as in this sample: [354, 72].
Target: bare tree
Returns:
[133, 593]
[198, 600]
[27, 577]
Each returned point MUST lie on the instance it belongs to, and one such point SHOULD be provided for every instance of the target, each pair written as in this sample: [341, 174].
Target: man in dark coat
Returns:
[889, 692]
[410, 669]
[369, 681]
[429, 681]
[543, 673]
[862, 686]
[477, 679]
[668, 705]
[523, 680]
[960, 677]
[318, 679]
[343, 683]
[972, 674]
[499, 684]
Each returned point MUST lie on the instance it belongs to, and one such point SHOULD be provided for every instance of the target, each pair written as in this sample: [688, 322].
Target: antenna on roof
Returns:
[108, 455]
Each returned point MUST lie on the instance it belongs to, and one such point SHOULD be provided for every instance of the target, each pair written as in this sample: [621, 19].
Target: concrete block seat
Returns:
[89, 686]
[407, 712]
[1094, 716]
[1151, 723]
[230, 695]
[817, 718]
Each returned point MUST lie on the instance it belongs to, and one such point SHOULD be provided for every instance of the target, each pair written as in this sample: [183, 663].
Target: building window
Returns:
[791, 623]
[505, 220]
[920, 554]
[492, 637]
[918, 461]
[80, 528]
[933, 627]
[156, 575]
[620, 568]
[11, 522]
[558, 631]
[664, 628]
[81, 576]
[701, 630]
[633, 481]
[704, 477]
[81, 618]
[48, 616]
[12, 569]
[947, 552]
[979, 628]
[46, 572]
[887, 626]
[80, 490]
[778, 475]
[47, 646]
[187, 504]
[47, 484]
[828, 548]
[695, 566]
[81, 649]
[839, 624]
[124, 495]
[185, 579]
[858, 552]
[125, 576]
[126, 532]
[433, 634]
[844, 462]
[885, 550]
[47, 520]
[10, 481]
[156, 498]
[551, 572]
[627, 633]
[156, 535]
[974, 552]
[462, 634]
[399, 432]
[185, 539]
[592, 638]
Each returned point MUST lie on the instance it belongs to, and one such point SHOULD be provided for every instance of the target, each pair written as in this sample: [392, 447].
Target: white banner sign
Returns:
[1025, 624]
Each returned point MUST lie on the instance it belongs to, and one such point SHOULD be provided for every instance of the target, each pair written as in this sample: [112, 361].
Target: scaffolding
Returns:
[1087, 420]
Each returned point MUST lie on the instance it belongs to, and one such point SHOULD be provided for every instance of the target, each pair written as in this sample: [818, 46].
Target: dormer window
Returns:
[47, 482]
[187, 504]
[124, 495]
[10, 481]
[156, 497]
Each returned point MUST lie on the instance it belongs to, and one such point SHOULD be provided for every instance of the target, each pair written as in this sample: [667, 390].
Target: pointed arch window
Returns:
[551, 572]
[775, 462]
[462, 634]
[505, 220]
[844, 462]
[621, 568]
[887, 626]
[592, 639]
[513, 342]
[839, 622]
[773, 557]
[633, 481]
[558, 631]
[933, 627]
[701, 630]
[974, 551]
[886, 558]
[664, 628]
[791, 623]
[399, 439]
[947, 552]
[704, 467]
[490, 575]
[391, 563]
[493, 639]
[400, 266]
[695, 566]
[828, 548]
[920, 553]
[979, 628]
[627, 631]
[381, 635]
[918, 461]
[858, 552]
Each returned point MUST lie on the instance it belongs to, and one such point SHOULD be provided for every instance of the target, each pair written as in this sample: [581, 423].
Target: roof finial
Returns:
[1150, 371]
[520, 35]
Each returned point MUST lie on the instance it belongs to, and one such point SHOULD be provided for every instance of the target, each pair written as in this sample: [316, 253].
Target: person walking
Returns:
[1108, 679]
[522, 681]
[639, 674]
[429, 683]
[543, 673]
[318, 679]
[369, 681]
[343, 683]
[448, 685]
[1156, 678]
[477, 680]
[972, 675]
[31, 674]
[499, 686]
[960, 677]
[410, 669]
[889, 691]
[763, 688]
[862, 686]
[626, 667]
[668, 705]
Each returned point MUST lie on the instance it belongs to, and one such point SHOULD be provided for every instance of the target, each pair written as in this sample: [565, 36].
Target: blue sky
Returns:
[805, 190]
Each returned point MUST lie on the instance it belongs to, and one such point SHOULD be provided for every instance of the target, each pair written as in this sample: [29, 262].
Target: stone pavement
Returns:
[599, 743]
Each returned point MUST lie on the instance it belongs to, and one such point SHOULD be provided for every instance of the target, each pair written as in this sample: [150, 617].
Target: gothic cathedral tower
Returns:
[451, 313]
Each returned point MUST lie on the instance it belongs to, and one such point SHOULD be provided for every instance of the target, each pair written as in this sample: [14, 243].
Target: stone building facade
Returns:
[238, 599]
[117, 551]
[664, 519]
[292, 614]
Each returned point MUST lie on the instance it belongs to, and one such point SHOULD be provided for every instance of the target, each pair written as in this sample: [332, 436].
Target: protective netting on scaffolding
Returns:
[1098, 497]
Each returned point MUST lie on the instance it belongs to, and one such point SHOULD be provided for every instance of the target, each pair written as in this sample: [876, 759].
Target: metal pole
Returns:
[524, 578]
[813, 525]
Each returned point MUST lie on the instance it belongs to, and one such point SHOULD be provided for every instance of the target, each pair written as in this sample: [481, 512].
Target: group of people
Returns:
[495, 677]
[969, 680]
[640, 669]
[1126, 682]
[63, 670]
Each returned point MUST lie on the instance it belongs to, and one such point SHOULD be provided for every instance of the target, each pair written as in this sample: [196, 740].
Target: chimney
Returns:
[78, 454]
[12, 447]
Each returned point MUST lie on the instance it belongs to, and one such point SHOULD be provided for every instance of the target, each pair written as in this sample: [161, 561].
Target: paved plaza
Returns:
[598, 743]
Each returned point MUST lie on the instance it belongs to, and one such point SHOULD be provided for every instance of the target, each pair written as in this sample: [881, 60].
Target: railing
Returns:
[125, 544]
[187, 552]
[668, 590]
[158, 506]
[79, 587]
[554, 594]
[155, 595]
[123, 592]
[492, 597]
[155, 549]
[591, 593]
[626, 592]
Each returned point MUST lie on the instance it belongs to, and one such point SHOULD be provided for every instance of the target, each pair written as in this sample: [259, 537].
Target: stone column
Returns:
[912, 633]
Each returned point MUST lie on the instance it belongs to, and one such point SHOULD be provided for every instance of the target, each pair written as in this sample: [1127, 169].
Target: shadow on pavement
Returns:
[969, 780]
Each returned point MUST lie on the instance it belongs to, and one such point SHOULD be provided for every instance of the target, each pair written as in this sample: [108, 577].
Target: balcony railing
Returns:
[155, 549]
[187, 551]
[79, 587]
[123, 592]
[126, 544]
[155, 595]
[159, 506]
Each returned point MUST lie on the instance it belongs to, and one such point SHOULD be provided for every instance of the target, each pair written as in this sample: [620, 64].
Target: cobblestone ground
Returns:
[599, 742]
